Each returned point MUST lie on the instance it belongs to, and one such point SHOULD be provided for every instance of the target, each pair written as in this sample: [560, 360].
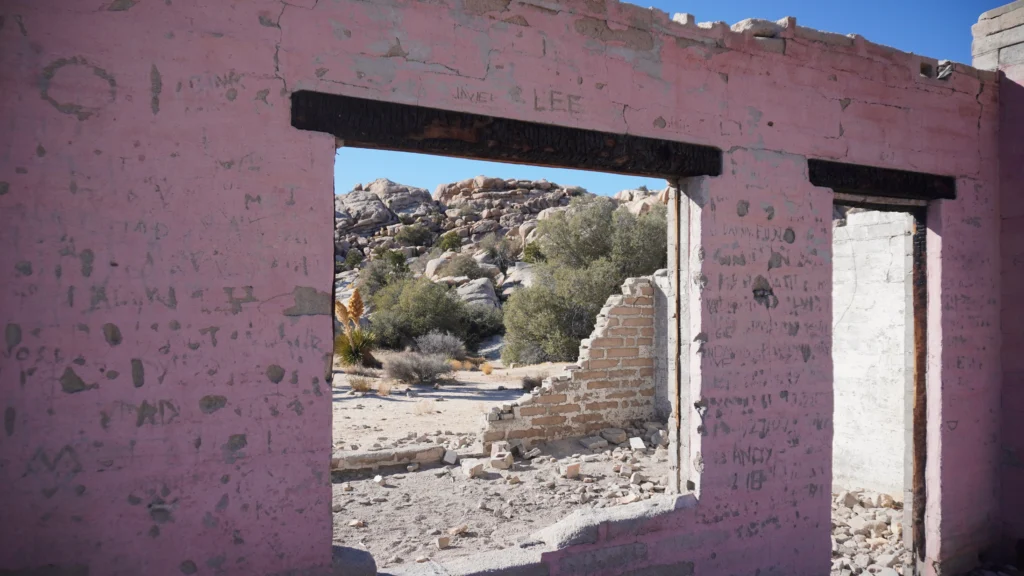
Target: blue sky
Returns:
[937, 28]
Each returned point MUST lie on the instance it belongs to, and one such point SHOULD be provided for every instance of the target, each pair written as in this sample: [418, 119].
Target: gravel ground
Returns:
[401, 519]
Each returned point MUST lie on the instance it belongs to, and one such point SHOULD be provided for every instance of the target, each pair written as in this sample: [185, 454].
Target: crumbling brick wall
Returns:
[611, 384]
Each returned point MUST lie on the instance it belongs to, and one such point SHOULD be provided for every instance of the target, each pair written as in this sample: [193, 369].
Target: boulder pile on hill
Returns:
[384, 215]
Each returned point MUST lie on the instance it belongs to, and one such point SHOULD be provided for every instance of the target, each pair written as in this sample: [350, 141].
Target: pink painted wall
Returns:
[999, 45]
[149, 180]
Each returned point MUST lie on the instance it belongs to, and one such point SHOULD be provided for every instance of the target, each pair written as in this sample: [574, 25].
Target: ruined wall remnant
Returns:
[611, 385]
[151, 180]
[999, 45]
[872, 351]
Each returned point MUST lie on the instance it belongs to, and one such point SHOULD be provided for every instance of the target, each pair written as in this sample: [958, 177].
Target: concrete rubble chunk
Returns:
[502, 461]
[499, 448]
[472, 468]
[637, 443]
[451, 457]
[443, 542]
[458, 530]
[571, 471]
[614, 435]
[594, 443]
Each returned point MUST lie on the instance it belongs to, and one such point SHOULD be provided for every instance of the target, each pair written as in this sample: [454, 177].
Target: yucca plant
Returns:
[354, 346]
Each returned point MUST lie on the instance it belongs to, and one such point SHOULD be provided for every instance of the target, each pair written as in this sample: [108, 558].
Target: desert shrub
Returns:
[384, 388]
[456, 364]
[414, 235]
[353, 259]
[462, 265]
[388, 268]
[578, 236]
[411, 307]
[590, 250]
[479, 322]
[443, 343]
[416, 368]
[532, 253]
[450, 241]
[359, 384]
[354, 345]
[503, 251]
[531, 382]
[486, 368]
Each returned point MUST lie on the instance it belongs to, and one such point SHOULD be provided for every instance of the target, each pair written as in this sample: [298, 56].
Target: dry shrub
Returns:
[486, 368]
[384, 388]
[359, 370]
[416, 368]
[456, 365]
[424, 407]
[443, 343]
[359, 383]
[531, 382]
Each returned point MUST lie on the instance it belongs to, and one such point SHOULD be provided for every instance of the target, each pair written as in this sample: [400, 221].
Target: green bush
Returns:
[388, 268]
[503, 251]
[481, 322]
[533, 254]
[450, 241]
[590, 250]
[414, 235]
[354, 347]
[462, 265]
[353, 259]
[409, 308]
[416, 368]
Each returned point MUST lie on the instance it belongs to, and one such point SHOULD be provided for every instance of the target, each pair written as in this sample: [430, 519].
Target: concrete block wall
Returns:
[611, 385]
[999, 45]
[872, 350]
[168, 257]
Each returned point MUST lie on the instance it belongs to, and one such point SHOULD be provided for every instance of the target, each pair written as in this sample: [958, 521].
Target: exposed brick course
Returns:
[613, 385]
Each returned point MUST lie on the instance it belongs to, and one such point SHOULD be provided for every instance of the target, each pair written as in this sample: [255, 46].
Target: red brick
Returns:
[621, 331]
[595, 354]
[602, 384]
[642, 301]
[644, 341]
[565, 408]
[550, 399]
[584, 418]
[646, 332]
[598, 406]
[494, 435]
[647, 371]
[623, 373]
[623, 394]
[641, 362]
[605, 342]
[624, 311]
[530, 433]
[622, 352]
[595, 426]
[533, 410]
[646, 392]
[638, 321]
[581, 375]
[548, 420]
[646, 291]
[598, 364]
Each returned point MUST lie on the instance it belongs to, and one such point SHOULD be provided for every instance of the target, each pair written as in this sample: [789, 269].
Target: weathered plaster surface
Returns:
[999, 44]
[150, 181]
[872, 350]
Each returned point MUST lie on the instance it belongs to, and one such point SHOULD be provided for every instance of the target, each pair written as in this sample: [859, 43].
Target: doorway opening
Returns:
[874, 370]
[448, 444]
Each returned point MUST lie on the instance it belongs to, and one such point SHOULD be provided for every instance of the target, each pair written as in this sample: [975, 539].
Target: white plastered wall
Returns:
[872, 350]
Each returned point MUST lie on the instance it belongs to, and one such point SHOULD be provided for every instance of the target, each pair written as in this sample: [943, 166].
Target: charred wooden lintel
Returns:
[366, 123]
[880, 182]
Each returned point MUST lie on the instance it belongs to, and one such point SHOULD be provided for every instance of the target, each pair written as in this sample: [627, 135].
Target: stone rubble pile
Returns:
[467, 505]
[867, 535]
